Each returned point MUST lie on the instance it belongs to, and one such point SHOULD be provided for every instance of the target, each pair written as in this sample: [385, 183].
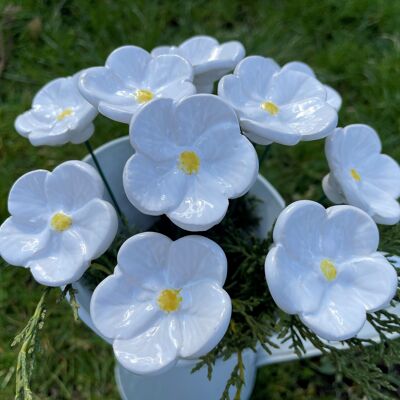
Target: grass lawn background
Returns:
[353, 45]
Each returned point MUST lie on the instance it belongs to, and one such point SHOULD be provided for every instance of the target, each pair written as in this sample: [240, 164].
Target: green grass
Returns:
[353, 45]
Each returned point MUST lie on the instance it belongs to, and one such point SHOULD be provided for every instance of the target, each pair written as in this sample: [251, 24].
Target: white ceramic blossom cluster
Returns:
[192, 153]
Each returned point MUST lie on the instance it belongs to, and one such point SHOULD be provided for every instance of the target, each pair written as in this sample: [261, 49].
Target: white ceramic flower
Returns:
[324, 266]
[132, 77]
[58, 223]
[164, 301]
[210, 59]
[277, 105]
[333, 97]
[362, 176]
[190, 159]
[59, 115]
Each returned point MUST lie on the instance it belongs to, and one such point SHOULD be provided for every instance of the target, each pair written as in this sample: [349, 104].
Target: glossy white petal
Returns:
[152, 352]
[229, 159]
[333, 98]
[332, 189]
[348, 232]
[200, 114]
[195, 257]
[372, 279]
[143, 258]
[363, 176]
[294, 284]
[27, 199]
[97, 224]
[63, 261]
[153, 188]
[153, 131]
[337, 318]
[72, 185]
[298, 228]
[129, 63]
[118, 310]
[205, 321]
[176, 90]
[202, 207]
[166, 69]
[20, 240]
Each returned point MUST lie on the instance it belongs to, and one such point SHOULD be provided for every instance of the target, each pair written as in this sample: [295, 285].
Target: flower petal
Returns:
[298, 228]
[20, 240]
[255, 73]
[165, 69]
[193, 258]
[373, 281]
[348, 232]
[381, 206]
[230, 159]
[153, 188]
[201, 208]
[99, 84]
[333, 98]
[82, 135]
[205, 319]
[153, 352]
[198, 49]
[97, 224]
[332, 189]
[230, 88]
[195, 115]
[143, 257]
[294, 284]
[129, 63]
[176, 90]
[312, 118]
[29, 121]
[119, 112]
[337, 317]
[71, 185]
[63, 260]
[384, 173]
[27, 198]
[292, 86]
[117, 310]
[300, 67]
[152, 131]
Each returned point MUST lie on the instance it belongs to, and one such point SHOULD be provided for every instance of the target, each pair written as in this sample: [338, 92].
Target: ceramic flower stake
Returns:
[131, 78]
[362, 176]
[59, 115]
[324, 266]
[164, 301]
[190, 159]
[210, 60]
[58, 223]
[277, 105]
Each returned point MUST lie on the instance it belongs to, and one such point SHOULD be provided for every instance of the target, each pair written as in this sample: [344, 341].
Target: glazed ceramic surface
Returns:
[131, 78]
[58, 224]
[210, 59]
[164, 301]
[333, 98]
[324, 266]
[277, 105]
[59, 115]
[190, 159]
[362, 176]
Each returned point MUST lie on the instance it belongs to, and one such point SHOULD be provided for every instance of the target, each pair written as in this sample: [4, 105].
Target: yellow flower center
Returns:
[65, 113]
[169, 300]
[189, 162]
[60, 222]
[270, 107]
[143, 95]
[355, 175]
[328, 269]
